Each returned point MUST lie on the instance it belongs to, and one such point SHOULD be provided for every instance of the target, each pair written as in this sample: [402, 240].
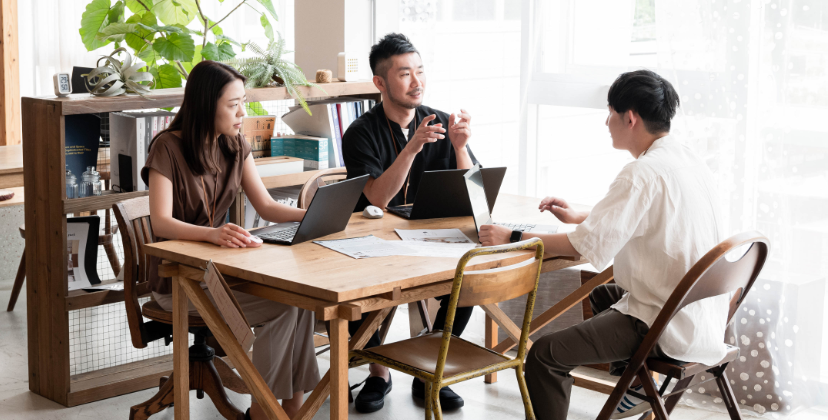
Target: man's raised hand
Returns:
[460, 129]
[425, 134]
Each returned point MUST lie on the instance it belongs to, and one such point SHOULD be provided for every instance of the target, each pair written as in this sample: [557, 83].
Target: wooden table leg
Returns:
[181, 353]
[491, 342]
[339, 369]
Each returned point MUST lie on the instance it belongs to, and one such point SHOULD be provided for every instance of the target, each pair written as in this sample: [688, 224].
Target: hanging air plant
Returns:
[118, 78]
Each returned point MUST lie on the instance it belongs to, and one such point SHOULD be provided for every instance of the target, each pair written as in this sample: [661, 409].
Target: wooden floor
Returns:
[501, 401]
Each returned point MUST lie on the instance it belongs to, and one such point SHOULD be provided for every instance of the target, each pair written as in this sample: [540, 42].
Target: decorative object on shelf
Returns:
[118, 78]
[90, 183]
[6, 195]
[324, 76]
[71, 184]
[63, 84]
[349, 67]
[269, 68]
[157, 32]
[82, 251]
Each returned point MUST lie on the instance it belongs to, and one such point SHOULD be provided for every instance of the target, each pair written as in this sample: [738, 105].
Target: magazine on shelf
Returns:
[82, 251]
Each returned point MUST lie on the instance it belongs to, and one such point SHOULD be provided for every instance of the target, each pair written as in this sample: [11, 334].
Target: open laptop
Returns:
[482, 212]
[443, 194]
[328, 213]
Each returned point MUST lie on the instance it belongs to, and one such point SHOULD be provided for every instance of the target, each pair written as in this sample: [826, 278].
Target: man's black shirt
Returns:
[367, 148]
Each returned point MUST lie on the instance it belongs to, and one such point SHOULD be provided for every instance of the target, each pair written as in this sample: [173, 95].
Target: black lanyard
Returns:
[396, 149]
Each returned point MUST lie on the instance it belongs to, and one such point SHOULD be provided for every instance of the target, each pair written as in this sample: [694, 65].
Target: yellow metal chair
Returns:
[441, 359]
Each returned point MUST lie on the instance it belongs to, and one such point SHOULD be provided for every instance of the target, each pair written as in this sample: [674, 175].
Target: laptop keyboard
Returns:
[517, 226]
[404, 210]
[285, 234]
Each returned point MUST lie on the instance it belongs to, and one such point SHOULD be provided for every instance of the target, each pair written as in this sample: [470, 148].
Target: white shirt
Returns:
[405, 134]
[659, 218]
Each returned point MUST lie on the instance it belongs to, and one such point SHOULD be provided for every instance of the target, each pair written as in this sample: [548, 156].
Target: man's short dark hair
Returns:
[648, 94]
[389, 46]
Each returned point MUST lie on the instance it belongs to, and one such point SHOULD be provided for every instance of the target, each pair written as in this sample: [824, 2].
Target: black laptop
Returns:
[477, 194]
[443, 194]
[328, 213]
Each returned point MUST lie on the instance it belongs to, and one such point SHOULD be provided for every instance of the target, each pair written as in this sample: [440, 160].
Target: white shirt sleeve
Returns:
[616, 219]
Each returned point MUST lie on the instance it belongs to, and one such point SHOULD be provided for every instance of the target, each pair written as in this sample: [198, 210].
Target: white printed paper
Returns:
[444, 236]
[365, 247]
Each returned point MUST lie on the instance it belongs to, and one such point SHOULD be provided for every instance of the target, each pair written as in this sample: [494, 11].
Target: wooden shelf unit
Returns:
[46, 207]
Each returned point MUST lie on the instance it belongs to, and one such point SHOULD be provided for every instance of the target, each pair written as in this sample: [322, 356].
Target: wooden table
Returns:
[336, 287]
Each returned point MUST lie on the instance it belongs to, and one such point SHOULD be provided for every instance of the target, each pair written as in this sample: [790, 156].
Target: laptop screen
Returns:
[477, 197]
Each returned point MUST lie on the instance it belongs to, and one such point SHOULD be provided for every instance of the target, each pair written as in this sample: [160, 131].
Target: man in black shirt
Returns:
[395, 158]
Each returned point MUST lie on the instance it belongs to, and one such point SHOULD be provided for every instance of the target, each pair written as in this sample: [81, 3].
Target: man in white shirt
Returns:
[659, 218]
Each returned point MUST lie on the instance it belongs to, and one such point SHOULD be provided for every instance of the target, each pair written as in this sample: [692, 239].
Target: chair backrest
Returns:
[713, 275]
[473, 288]
[312, 185]
[136, 230]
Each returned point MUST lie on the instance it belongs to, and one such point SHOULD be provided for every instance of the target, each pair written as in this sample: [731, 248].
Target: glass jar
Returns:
[71, 184]
[91, 182]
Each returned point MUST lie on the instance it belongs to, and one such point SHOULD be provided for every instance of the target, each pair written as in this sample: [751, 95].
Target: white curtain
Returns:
[753, 80]
[50, 43]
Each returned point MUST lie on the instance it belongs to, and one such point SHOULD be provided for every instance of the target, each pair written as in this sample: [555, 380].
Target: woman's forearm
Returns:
[280, 213]
[170, 228]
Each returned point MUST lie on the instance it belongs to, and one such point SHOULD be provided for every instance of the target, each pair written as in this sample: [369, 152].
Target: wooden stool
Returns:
[105, 239]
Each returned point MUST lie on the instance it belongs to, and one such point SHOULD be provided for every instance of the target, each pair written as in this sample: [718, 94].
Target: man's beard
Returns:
[404, 104]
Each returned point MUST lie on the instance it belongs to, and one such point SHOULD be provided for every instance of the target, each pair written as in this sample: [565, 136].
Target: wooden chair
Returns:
[441, 359]
[104, 239]
[208, 373]
[312, 185]
[712, 275]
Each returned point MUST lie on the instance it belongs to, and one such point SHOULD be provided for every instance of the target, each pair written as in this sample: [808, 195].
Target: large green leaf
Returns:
[196, 59]
[137, 40]
[116, 13]
[166, 76]
[116, 31]
[93, 19]
[136, 6]
[269, 6]
[149, 56]
[227, 39]
[171, 12]
[175, 47]
[267, 27]
[218, 53]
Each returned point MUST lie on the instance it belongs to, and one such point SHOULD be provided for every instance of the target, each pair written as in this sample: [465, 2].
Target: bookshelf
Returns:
[46, 207]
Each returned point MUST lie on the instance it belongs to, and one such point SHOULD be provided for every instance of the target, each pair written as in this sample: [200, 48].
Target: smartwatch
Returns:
[517, 235]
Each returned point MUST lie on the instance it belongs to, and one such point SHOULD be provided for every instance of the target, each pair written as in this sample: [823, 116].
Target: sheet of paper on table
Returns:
[365, 247]
[443, 236]
[371, 247]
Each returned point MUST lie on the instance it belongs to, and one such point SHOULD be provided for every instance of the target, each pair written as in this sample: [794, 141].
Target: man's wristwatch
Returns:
[517, 235]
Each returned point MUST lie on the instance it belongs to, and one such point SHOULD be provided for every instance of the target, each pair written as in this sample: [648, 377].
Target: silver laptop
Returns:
[480, 206]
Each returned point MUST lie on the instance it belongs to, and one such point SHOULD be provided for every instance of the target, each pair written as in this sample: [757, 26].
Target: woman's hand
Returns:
[561, 209]
[490, 235]
[232, 236]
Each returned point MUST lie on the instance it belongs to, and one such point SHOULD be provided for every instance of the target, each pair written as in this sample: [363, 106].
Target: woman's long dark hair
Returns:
[196, 117]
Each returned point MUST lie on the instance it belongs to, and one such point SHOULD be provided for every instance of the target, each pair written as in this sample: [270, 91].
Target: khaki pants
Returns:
[608, 337]
[283, 351]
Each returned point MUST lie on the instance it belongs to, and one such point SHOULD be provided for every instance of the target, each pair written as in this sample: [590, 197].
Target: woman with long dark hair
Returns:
[194, 170]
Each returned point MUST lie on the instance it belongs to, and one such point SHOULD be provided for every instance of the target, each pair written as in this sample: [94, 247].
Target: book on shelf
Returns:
[313, 150]
[258, 131]
[82, 137]
[131, 135]
[82, 251]
[330, 119]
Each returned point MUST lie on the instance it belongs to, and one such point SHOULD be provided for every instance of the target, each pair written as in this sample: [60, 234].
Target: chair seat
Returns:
[679, 370]
[422, 352]
[155, 312]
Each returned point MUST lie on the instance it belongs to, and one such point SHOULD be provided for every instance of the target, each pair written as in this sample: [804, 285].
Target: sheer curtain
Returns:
[50, 43]
[753, 81]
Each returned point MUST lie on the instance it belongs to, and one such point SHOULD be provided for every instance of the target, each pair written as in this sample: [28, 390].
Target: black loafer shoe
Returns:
[449, 400]
[371, 397]
[247, 414]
